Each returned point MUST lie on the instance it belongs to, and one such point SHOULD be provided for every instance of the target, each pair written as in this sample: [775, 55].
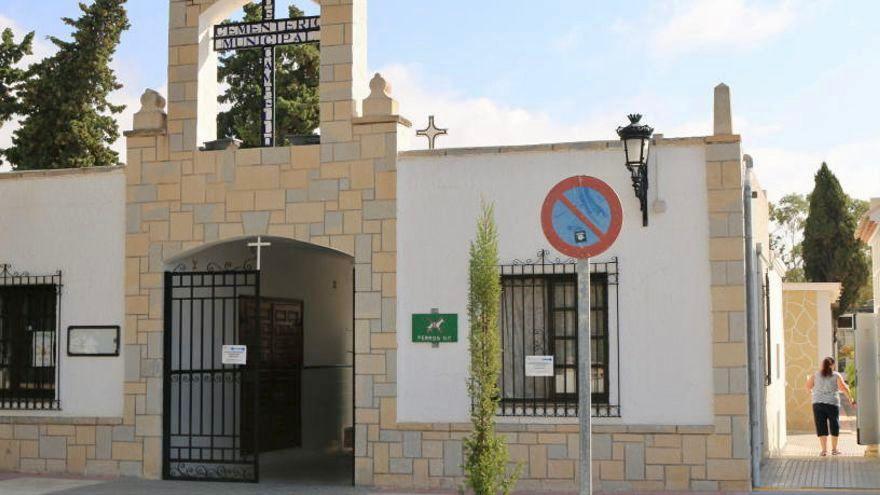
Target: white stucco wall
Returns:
[665, 325]
[775, 425]
[75, 223]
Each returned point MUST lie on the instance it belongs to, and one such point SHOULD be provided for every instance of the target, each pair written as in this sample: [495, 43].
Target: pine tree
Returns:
[486, 453]
[11, 76]
[296, 87]
[69, 122]
[830, 249]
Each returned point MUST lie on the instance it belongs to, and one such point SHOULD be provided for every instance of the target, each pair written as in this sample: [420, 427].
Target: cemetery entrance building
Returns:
[315, 259]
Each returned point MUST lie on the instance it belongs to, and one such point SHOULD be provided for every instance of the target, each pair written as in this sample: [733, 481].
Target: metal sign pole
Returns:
[585, 379]
[582, 217]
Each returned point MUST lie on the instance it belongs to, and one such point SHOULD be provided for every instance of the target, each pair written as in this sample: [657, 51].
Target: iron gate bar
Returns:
[225, 458]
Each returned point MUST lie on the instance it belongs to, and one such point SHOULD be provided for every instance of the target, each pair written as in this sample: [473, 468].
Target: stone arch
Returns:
[185, 254]
[304, 340]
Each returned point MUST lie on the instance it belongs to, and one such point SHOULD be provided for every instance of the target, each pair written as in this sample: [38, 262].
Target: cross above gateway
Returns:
[266, 35]
[259, 245]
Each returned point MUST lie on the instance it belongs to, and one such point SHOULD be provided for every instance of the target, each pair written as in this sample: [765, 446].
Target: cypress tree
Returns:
[296, 89]
[11, 76]
[831, 251]
[486, 452]
[69, 121]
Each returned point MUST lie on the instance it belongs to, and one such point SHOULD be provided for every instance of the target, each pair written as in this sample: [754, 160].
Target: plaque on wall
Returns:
[93, 340]
[42, 355]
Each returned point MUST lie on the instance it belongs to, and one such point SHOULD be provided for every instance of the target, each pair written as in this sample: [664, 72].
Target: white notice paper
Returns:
[234, 354]
[539, 365]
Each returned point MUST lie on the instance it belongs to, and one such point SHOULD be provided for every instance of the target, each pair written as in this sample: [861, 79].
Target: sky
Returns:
[802, 72]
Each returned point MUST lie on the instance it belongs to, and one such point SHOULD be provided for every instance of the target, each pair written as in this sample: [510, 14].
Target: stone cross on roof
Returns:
[432, 132]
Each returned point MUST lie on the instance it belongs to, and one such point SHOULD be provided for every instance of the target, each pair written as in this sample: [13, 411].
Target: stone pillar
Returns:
[343, 71]
[135, 446]
[728, 449]
[723, 118]
[377, 439]
[183, 74]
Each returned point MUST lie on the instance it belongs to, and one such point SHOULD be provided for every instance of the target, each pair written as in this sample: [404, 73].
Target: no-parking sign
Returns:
[581, 216]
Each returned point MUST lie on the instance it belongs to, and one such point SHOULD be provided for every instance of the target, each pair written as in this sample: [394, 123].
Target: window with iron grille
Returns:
[29, 308]
[538, 317]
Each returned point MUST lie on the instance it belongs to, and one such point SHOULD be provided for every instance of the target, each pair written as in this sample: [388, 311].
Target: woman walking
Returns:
[826, 386]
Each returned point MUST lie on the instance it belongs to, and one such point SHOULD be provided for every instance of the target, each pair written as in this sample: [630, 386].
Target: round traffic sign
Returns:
[581, 216]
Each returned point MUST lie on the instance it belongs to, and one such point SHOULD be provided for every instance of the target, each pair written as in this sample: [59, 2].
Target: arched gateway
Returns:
[258, 344]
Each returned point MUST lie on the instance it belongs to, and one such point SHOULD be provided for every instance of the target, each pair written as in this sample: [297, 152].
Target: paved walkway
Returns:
[10, 485]
[822, 472]
[28, 485]
[800, 465]
[807, 445]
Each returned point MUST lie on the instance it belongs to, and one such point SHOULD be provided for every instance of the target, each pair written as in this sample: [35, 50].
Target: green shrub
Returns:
[851, 378]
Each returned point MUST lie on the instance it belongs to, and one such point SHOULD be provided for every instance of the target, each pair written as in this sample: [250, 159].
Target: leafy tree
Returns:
[831, 251]
[858, 208]
[297, 72]
[486, 453]
[789, 215]
[68, 119]
[11, 76]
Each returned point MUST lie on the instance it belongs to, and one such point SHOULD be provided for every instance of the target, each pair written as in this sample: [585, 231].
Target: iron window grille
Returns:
[30, 307]
[539, 317]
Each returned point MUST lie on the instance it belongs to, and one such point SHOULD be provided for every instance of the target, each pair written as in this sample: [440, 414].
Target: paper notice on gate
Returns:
[234, 354]
[539, 365]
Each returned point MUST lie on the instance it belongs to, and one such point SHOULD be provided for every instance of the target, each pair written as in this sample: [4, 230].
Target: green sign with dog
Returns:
[435, 328]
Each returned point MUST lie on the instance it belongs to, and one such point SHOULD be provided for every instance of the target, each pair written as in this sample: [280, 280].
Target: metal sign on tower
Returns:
[265, 35]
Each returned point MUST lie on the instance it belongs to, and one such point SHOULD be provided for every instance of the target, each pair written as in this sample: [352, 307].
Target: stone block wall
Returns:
[78, 446]
[801, 316]
[340, 194]
[625, 458]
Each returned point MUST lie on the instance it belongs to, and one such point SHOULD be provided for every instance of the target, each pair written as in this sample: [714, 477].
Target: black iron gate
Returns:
[210, 409]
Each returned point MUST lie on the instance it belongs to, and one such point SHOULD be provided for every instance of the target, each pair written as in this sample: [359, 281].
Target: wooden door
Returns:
[280, 357]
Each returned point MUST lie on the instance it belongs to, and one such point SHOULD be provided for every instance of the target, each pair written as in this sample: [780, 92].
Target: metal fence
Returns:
[29, 318]
[539, 318]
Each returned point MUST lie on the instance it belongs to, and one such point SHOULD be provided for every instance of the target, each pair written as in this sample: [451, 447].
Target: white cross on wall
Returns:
[259, 245]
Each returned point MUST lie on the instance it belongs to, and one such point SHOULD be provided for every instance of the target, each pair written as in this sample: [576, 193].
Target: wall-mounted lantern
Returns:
[636, 139]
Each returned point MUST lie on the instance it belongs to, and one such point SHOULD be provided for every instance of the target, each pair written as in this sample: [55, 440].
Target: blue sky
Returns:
[802, 72]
